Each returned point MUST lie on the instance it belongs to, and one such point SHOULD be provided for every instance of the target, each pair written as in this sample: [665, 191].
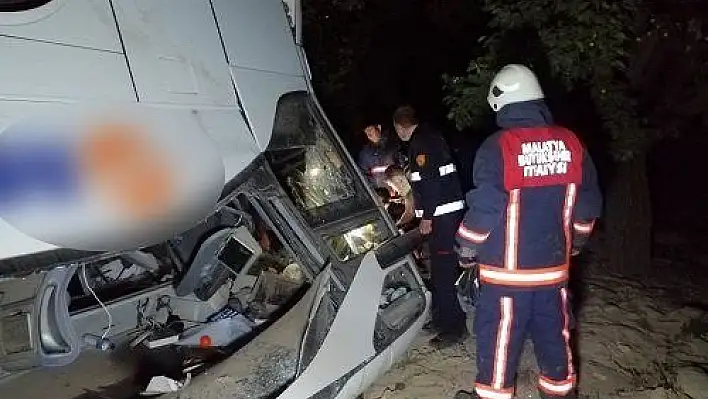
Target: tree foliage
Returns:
[643, 64]
[586, 44]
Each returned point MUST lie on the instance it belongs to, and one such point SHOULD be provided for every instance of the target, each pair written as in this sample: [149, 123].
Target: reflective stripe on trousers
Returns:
[504, 320]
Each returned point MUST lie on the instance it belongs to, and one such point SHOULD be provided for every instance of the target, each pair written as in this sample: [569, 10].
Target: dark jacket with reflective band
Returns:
[536, 187]
[374, 159]
[436, 188]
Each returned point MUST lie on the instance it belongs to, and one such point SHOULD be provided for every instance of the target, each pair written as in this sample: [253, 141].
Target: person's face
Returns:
[373, 133]
[404, 133]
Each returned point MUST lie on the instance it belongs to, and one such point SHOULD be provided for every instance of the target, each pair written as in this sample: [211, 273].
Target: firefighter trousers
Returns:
[504, 318]
[448, 316]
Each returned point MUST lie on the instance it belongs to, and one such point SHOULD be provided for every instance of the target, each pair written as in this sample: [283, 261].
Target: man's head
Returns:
[373, 133]
[513, 84]
[405, 121]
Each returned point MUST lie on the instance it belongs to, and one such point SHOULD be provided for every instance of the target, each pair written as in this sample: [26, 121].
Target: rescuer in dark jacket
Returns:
[439, 203]
[535, 203]
[380, 152]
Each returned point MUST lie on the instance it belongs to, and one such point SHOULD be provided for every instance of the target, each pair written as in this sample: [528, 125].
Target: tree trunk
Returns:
[629, 219]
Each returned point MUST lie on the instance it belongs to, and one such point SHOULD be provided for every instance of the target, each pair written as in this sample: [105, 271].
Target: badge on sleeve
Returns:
[420, 160]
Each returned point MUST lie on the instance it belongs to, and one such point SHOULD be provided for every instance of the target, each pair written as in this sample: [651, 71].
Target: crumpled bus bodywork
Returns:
[174, 200]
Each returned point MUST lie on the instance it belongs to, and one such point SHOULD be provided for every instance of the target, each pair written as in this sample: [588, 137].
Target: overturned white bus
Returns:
[173, 200]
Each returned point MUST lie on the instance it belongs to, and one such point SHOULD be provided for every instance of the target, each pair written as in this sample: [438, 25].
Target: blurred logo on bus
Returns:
[127, 170]
[106, 178]
[115, 164]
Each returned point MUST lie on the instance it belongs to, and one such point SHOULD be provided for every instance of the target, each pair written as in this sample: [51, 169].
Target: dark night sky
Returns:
[405, 61]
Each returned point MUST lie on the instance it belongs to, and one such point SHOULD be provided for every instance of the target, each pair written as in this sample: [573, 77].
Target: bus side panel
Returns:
[39, 71]
[257, 35]
[80, 23]
[175, 52]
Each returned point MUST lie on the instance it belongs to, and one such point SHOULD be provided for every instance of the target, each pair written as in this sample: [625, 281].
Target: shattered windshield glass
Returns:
[309, 166]
[358, 240]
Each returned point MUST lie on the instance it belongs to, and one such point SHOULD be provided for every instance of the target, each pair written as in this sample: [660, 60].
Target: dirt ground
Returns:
[634, 341]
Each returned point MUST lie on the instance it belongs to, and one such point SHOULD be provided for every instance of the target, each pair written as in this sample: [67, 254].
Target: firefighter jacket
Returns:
[433, 174]
[536, 190]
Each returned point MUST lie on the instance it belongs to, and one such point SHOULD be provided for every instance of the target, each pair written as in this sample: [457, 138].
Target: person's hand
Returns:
[405, 219]
[426, 226]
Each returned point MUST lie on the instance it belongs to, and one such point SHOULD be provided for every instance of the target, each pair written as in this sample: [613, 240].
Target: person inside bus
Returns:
[400, 188]
[380, 151]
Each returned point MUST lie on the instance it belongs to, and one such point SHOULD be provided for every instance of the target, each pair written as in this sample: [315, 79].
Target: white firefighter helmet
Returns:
[513, 84]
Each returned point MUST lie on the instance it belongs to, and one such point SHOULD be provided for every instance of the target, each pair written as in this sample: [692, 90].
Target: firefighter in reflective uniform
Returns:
[439, 203]
[534, 205]
[380, 152]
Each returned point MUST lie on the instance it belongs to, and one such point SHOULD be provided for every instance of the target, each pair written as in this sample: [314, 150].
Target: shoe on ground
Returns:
[466, 395]
[446, 339]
